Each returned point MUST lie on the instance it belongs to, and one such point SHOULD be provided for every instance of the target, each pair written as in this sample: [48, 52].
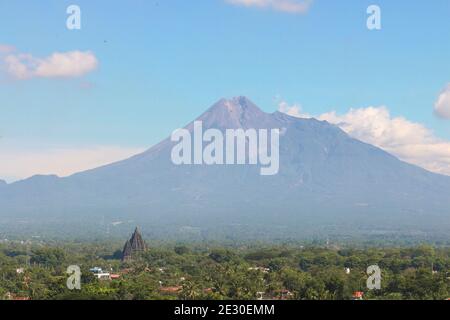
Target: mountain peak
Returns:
[236, 104]
[241, 101]
[232, 113]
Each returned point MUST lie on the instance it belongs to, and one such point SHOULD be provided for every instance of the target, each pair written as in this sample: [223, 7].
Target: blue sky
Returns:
[162, 63]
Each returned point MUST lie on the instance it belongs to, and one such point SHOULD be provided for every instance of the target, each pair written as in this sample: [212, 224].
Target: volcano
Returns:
[325, 178]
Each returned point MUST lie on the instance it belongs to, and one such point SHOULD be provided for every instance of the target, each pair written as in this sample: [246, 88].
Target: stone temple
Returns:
[133, 246]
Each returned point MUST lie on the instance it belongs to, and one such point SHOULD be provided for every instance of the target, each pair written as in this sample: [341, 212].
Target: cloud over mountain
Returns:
[409, 141]
[442, 105]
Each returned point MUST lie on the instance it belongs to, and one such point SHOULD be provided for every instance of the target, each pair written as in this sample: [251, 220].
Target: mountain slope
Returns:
[325, 178]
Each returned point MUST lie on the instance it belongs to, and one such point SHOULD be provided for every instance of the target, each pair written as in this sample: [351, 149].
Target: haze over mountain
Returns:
[326, 179]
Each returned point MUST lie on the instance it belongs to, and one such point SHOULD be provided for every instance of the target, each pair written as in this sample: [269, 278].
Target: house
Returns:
[104, 276]
[21, 298]
[285, 294]
[12, 296]
[358, 295]
[260, 295]
[282, 294]
[262, 269]
[127, 271]
[171, 290]
[101, 275]
[96, 270]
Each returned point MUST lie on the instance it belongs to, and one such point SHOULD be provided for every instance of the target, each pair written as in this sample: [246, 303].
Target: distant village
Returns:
[136, 245]
[261, 273]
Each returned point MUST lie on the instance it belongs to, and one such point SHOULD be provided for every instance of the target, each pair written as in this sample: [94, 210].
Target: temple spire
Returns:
[133, 246]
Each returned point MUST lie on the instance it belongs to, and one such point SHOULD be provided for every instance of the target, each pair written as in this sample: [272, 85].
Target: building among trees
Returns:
[133, 246]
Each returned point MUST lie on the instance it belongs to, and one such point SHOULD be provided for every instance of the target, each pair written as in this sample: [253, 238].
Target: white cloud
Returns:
[409, 141]
[23, 66]
[18, 164]
[289, 6]
[442, 105]
[6, 48]
[292, 110]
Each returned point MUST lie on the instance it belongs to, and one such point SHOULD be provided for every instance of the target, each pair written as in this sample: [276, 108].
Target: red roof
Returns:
[170, 289]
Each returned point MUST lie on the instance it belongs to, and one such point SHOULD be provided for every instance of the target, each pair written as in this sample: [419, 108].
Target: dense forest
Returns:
[37, 270]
